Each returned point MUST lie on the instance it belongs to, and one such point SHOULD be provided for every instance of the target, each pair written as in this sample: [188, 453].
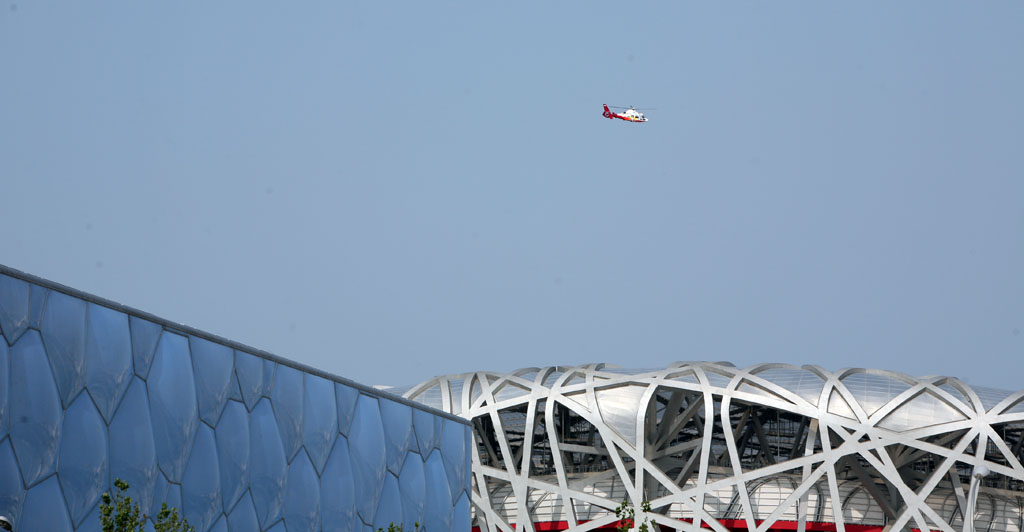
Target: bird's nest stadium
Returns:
[766, 448]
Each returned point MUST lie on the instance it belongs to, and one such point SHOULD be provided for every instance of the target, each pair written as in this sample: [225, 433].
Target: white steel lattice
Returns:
[736, 448]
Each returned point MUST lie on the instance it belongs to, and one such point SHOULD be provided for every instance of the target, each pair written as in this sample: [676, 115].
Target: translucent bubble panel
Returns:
[366, 444]
[412, 484]
[91, 522]
[35, 409]
[455, 454]
[287, 399]
[200, 489]
[11, 492]
[173, 499]
[425, 425]
[44, 509]
[36, 304]
[172, 402]
[220, 526]
[249, 369]
[460, 518]
[235, 392]
[347, 397]
[337, 490]
[243, 516]
[213, 364]
[83, 457]
[302, 500]
[14, 307]
[145, 335]
[159, 493]
[5, 380]
[389, 509]
[108, 354]
[269, 370]
[64, 335]
[320, 421]
[397, 420]
[132, 450]
[233, 452]
[267, 467]
[438, 506]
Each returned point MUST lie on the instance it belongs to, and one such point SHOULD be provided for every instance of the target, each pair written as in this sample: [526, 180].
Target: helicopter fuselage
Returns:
[630, 115]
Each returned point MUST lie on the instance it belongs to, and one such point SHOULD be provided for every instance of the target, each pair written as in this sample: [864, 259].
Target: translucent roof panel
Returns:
[576, 378]
[837, 405]
[873, 391]
[628, 371]
[923, 410]
[430, 397]
[549, 381]
[1015, 409]
[398, 390]
[756, 389]
[528, 374]
[456, 386]
[955, 393]
[619, 407]
[990, 397]
[684, 376]
[579, 398]
[717, 379]
[474, 391]
[509, 390]
[801, 382]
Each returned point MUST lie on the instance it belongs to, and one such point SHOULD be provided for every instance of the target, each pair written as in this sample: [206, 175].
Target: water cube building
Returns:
[238, 439]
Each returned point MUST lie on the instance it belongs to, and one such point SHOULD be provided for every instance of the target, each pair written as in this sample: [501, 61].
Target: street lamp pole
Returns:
[979, 473]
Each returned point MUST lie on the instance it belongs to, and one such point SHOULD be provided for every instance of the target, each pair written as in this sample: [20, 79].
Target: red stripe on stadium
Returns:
[731, 524]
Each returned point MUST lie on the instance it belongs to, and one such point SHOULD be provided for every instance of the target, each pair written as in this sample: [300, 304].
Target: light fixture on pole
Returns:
[979, 473]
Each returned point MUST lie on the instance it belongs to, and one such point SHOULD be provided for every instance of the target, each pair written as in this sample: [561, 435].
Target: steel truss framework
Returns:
[767, 447]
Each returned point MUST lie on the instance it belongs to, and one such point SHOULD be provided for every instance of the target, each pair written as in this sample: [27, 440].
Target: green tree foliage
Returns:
[400, 528]
[121, 514]
[627, 517]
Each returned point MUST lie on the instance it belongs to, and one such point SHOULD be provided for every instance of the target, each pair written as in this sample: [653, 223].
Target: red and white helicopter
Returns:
[629, 115]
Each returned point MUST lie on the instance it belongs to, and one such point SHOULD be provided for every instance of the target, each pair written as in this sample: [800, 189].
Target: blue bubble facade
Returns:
[237, 439]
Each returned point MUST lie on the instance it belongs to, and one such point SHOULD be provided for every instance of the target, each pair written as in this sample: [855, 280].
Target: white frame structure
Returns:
[896, 452]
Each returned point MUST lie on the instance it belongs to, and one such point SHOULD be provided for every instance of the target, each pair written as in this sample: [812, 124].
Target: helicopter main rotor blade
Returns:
[633, 108]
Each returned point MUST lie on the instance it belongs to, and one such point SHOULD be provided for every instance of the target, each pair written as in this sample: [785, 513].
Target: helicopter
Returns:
[630, 115]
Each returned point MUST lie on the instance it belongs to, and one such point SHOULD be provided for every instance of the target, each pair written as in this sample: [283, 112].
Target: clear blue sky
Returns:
[395, 190]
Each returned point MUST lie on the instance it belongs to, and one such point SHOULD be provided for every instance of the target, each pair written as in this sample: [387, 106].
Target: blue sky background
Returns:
[395, 190]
